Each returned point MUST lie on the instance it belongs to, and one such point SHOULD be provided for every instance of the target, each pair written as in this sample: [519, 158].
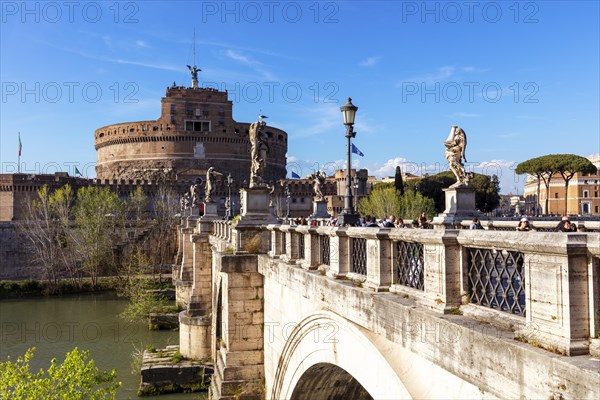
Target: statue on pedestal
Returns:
[194, 194]
[258, 153]
[211, 180]
[318, 182]
[194, 71]
[456, 144]
[184, 203]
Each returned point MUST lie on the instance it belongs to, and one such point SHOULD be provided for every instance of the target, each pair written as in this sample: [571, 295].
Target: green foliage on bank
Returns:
[487, 189]
[76, 378]
[31, 287]
[385, 200]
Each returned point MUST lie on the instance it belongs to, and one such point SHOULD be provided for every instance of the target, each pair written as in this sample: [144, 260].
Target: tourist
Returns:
[422, 220]
[370, 222]
[389, 222]
[399, 223]
[565, 225]
[475, 224]
[524, 225]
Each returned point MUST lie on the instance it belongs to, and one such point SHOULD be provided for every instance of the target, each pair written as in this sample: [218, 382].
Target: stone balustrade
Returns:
[542, 286]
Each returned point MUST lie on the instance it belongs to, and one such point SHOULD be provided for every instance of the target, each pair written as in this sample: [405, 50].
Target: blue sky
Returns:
[521, 78]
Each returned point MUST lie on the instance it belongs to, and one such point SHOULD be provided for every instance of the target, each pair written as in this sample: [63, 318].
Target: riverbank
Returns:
[35, 288]
[57, 324]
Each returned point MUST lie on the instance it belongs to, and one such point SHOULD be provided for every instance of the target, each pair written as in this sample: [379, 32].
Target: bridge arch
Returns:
[326, 356]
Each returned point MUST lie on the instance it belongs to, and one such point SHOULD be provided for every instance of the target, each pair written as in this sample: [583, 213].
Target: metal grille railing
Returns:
[324, 244]
[496, 279]
[410, 264]
[300, 246]
[359, 256]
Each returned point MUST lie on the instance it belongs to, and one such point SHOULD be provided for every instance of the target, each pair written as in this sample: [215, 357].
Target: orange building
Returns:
[583, 196]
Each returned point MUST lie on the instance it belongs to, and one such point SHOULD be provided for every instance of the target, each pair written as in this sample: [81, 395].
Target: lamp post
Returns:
[230, 208]
[348, 215]
[287, 199]
[356, 183]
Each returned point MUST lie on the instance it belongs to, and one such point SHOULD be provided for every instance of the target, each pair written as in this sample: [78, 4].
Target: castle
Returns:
[195, 131]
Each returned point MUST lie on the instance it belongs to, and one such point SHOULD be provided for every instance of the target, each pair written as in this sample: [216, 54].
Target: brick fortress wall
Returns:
[195, 131]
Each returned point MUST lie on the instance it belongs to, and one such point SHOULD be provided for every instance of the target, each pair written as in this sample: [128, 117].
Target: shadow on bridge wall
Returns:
[347, 361]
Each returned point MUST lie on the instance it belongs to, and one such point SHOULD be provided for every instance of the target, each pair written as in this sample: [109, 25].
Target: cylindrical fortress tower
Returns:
[195, 131]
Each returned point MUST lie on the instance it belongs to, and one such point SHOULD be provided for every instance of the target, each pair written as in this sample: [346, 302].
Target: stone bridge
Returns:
[294, 312]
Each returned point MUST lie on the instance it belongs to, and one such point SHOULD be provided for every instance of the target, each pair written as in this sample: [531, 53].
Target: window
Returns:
[301, 199]
[596, 194]
[205, 110]
[172, 108]
[197, 126]
[221, 111]
[586, 194]
[172, 119]
[188, 109]
[556, 195]
[596, 209]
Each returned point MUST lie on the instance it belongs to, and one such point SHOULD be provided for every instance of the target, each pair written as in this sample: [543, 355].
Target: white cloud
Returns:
[141, 43]
[238, 57]
[464, 115]
[370, 61]
[255, 65]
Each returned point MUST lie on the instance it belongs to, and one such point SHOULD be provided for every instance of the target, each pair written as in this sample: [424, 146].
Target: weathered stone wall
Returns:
[14, 259]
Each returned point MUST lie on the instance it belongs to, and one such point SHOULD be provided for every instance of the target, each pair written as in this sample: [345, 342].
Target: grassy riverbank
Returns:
[34, 288]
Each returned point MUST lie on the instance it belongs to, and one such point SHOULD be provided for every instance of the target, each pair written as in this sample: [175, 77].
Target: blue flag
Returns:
[295, 175]
[355, 150]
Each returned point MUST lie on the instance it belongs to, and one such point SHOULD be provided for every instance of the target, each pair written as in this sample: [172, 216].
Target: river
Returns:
[55, 325]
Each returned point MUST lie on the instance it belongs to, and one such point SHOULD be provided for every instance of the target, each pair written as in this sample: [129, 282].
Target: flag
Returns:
[355, 150]
[77, 172]
[20, 145]
[295, 175]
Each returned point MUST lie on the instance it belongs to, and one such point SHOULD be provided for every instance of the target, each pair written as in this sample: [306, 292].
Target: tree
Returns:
[487, 189]
[398, 184]
[46, 229]
[385, 200]
[97, 215]
[381, 202]
[75, 379]
[165, 208]
[545, 167]
[412, 204]
[568, 165]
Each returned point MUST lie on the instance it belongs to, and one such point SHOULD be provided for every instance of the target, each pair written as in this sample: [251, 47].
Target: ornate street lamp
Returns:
[230, 208]
[348, 215]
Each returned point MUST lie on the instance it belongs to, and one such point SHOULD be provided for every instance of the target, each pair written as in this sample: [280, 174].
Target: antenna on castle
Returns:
[193, 69]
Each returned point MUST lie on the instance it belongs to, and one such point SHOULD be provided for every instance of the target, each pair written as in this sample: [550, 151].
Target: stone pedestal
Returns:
[194, 211]
[255, 207]
[320, 210]
[460, 205]
[210, 212]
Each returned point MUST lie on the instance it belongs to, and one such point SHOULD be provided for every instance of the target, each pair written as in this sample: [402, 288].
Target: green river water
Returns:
[55, 325]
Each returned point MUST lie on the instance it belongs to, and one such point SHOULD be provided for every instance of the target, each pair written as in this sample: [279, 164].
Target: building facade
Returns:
[583, 194]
